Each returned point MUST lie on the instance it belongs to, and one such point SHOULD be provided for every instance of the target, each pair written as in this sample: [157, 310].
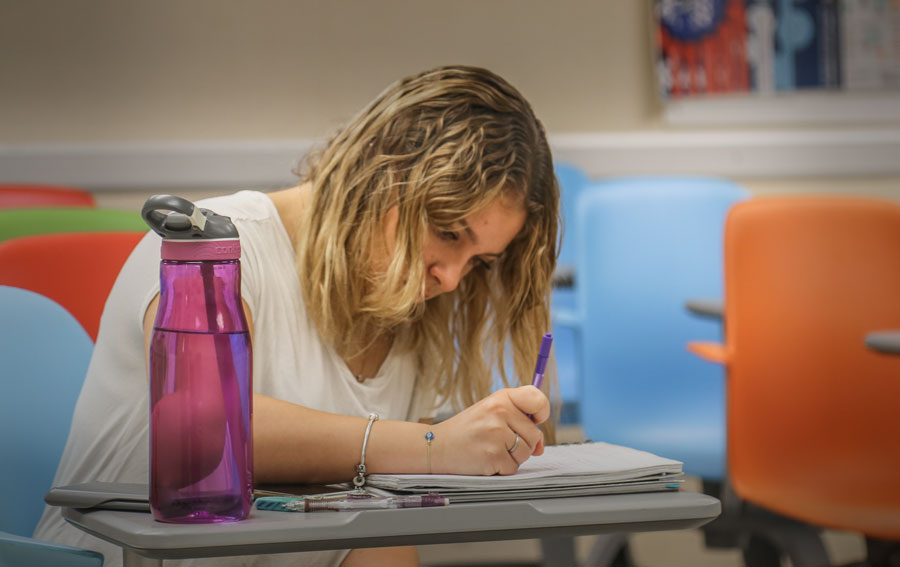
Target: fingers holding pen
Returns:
[525, 427]
[520, 449]
[530, 407]
[531, 401]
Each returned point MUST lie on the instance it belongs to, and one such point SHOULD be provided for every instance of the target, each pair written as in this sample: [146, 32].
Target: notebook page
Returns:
[560, 465]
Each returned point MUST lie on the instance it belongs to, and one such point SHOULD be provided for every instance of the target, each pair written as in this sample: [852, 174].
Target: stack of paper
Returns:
[563, 470]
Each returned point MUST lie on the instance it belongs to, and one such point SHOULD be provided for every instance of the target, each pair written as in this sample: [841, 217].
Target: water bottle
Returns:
[201, 453]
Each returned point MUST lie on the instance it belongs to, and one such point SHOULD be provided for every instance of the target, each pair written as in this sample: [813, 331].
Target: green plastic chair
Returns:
[26, 222]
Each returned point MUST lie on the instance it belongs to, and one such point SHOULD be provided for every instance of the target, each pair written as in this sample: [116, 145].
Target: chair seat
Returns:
[16, 550]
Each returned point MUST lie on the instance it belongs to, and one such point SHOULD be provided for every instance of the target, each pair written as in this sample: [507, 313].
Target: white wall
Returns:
[207, 96]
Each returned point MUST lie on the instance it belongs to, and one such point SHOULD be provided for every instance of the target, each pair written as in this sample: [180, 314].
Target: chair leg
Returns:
[882, 553]
[800, 542]
[609, 550]
[760, 552]
[558, 552]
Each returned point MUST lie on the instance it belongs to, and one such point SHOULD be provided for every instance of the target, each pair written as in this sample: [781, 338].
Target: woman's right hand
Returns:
[477, 441]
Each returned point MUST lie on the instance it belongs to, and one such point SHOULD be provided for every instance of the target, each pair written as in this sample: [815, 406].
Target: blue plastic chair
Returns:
[645, 247]
[45, 354]
[572, 180]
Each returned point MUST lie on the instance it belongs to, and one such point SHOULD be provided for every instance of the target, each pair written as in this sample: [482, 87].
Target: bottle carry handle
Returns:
[175, 217]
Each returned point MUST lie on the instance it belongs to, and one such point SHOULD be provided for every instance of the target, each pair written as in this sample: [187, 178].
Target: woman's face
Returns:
[478, 240]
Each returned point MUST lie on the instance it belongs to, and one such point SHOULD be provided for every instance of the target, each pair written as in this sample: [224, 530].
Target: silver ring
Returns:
[514, 445]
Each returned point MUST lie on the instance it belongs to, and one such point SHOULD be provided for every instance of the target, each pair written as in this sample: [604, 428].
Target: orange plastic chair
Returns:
[812, 426]
[16, 195]
[77, 270]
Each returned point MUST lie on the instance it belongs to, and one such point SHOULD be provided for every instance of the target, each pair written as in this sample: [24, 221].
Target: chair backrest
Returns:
[645, 247]
[75, 269]
[45, 355]
[813, 431]
[25, 222]
[14, 195]
[571, 181]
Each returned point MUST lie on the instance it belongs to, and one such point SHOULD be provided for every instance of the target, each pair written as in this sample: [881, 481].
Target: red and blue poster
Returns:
[702, 47]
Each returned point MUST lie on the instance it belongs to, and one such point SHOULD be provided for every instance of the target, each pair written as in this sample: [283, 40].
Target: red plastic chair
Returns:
[18, 195]
[77, 269]
[813, 431]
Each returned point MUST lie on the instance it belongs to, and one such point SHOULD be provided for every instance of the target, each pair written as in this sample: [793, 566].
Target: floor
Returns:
[681, 548]
[654, 549]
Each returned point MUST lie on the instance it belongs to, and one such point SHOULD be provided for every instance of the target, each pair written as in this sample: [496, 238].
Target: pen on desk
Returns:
[543, 354]
[417, 501]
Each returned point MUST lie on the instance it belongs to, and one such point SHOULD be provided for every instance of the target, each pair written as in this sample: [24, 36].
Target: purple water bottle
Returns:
[201, 452]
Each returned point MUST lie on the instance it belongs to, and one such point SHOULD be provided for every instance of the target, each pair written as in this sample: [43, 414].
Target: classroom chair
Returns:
[45, 354]
[812, 423]
[646, 245]
[572, 181]
[18, 195]
[75, 269]
[28, 221]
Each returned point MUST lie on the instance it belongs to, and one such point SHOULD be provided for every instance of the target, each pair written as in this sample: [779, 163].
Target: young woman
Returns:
[415, 255]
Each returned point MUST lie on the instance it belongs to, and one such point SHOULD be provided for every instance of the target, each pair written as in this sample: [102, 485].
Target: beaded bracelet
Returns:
[429, 437]
[360, 479]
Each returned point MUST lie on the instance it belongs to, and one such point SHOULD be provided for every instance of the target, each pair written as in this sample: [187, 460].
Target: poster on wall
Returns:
[710, 47]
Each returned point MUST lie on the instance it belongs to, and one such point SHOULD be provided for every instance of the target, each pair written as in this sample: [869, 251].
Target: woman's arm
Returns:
[295, 444]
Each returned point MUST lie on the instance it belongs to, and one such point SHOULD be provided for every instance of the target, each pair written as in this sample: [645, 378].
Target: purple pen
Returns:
[543, 354]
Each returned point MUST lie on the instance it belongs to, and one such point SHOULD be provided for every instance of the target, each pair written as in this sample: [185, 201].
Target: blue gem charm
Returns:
[429, 436]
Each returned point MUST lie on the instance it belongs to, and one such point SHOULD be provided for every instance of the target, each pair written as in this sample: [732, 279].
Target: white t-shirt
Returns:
[109, 435]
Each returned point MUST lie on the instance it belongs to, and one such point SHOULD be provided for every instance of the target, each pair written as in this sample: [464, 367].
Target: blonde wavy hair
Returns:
[440, 145]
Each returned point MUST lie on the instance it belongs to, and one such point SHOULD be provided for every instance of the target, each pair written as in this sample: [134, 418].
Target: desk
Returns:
[146, 542]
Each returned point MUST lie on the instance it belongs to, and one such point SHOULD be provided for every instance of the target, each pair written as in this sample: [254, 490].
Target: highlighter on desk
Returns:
[417, 501]
[349, 502]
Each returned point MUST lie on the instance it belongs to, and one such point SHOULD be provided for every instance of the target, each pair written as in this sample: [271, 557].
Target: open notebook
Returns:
[563, 470]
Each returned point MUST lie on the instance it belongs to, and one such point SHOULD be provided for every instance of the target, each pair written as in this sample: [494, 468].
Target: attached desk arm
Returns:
[713, 308]
[887, 342]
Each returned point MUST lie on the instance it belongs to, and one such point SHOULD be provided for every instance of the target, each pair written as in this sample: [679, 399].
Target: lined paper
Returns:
[573, 466]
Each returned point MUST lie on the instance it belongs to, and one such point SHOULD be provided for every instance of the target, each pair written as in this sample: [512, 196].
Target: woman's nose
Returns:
[448, 275]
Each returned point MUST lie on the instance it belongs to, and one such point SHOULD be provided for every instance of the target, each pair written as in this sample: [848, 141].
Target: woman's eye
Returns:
[477, 261]
[449, 235]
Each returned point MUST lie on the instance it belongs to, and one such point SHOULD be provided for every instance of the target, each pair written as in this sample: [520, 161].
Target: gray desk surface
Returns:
[146, 541]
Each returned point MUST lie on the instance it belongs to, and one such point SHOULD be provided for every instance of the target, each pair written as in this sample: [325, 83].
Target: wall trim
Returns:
[751, 154]
[785, 109]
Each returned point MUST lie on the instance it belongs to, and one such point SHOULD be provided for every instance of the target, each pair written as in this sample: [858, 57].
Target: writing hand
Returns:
[478, 439]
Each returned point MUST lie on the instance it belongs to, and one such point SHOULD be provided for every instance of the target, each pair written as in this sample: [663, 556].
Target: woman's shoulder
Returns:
[247, 205]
